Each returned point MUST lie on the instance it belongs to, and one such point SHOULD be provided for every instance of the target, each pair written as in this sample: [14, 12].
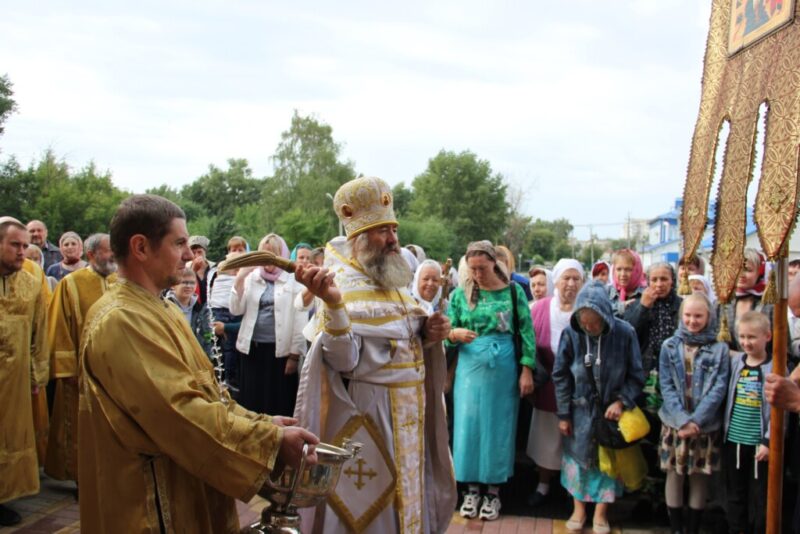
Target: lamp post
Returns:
[341, 230]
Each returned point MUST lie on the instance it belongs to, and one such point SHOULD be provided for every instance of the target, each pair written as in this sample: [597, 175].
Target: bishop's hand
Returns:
[319, 282]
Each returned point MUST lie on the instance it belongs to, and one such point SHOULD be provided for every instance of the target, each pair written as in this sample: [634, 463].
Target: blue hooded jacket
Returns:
[617, 366]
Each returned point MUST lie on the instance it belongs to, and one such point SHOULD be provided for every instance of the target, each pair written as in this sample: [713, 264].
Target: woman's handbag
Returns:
[540, 376]
[631, 427]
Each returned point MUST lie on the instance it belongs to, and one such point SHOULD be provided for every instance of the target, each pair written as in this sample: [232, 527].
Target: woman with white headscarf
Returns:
[550, 316]
[427, 285]
[700, 284]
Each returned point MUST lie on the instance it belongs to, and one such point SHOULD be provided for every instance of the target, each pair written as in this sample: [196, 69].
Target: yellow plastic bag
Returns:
[627, 465]
[633, 425]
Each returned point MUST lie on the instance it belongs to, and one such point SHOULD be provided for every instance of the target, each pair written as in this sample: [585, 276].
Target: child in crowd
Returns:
[747, 426]
[627, 280]
[694, 369]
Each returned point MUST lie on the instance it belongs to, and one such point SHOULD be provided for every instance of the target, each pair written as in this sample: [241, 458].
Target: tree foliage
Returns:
[461, 191]
[7, 103]
[308, 168]
[82, 201]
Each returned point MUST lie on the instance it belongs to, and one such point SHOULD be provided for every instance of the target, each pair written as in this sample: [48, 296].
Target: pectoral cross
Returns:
[360, 473]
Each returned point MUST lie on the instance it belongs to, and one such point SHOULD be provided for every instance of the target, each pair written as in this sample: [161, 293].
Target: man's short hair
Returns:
[795, 263]
[7, 222]
[93, 242]
[756, 318]
[148, 215]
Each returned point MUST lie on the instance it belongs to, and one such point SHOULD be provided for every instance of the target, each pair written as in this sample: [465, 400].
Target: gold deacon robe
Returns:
[41, 424]
[23, 362]
[73, 297]
[160, 448]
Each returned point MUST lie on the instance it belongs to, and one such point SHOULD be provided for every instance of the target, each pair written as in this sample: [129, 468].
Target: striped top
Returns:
[745, 427]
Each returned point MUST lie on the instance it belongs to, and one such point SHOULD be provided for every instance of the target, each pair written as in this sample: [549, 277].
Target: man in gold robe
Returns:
[161, 447]
[23, 366]
[374, 335]
[73, 297]
[41, 422]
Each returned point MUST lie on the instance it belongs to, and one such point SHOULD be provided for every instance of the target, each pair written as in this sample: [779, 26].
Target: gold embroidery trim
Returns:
[336, 331]
[360, 524]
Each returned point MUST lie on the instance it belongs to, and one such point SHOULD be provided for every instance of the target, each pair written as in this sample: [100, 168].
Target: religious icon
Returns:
[750, 20]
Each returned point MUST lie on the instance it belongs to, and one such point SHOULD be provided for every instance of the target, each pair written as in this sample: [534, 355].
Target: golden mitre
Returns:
[362, 204]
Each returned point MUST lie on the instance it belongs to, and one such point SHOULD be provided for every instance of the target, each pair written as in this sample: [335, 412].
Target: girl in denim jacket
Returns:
[694, 369]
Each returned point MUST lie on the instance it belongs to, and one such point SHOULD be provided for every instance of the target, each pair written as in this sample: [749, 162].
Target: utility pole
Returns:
[591, 242]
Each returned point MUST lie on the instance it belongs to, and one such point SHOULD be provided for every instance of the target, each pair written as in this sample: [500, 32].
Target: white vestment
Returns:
[403, 479]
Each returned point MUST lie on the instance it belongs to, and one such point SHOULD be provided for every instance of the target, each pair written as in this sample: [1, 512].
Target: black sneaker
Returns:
[537, 498]
[8, 517]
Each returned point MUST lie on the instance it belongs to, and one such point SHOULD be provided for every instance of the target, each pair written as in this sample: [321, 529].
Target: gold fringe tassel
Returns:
[770, 295]
[724, 334]
[683, 286]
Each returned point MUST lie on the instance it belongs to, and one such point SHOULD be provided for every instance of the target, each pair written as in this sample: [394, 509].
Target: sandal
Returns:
[575, 525]
[601, 528]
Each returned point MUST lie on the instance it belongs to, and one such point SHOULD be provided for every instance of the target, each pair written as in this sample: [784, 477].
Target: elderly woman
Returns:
[71, 248]
[550, 316]
[427, 286]
[488, 382]
[271, 334]
[596, 342]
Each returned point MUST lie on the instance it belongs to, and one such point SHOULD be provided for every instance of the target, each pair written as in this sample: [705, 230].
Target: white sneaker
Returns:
[490, 509]
[469, 508]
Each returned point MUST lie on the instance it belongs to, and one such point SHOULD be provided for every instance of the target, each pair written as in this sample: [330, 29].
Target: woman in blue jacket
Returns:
[596, 342]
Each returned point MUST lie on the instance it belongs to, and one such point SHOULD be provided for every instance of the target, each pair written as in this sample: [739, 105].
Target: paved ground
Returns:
[55, 510]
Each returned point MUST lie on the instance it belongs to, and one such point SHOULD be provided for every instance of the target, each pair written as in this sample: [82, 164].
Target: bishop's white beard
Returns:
[388, 270]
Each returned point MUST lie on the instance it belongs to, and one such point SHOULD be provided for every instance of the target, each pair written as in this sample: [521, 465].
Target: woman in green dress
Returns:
[488, 382]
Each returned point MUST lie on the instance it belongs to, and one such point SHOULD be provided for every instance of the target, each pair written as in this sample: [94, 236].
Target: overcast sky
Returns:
[588, 106]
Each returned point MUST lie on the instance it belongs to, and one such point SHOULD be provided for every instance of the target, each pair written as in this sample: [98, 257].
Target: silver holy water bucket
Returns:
[307, 486]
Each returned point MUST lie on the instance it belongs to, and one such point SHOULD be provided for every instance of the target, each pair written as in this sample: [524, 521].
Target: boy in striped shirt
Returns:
[747, 415]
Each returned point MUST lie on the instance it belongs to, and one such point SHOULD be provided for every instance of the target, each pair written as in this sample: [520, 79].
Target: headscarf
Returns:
[69, 235]
[471, 289]
[709, 294]
[293, 255]
[663, 323]
[707, 335]
[429, 307]
[563, 265]
[418, 252]
[761, 281]
[411, 260]
[284, 253]
[638, 278]
[549, 280]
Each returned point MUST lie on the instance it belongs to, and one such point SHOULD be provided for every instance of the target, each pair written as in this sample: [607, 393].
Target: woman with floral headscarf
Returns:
[488, 382]
[749, 289]
[271, 334]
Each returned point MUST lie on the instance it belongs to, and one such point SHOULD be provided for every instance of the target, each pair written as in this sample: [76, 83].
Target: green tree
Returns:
[541, 242]
[401, 196]
[296, 225]
[308, 168]
[220, 191]
[435, 238]
[460, 191]
[82, 201]
[7, 103]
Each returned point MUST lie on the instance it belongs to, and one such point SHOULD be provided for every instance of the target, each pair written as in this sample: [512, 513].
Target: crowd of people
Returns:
[133, 353]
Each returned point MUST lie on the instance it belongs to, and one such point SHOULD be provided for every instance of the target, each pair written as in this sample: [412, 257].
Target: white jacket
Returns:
[289, 322]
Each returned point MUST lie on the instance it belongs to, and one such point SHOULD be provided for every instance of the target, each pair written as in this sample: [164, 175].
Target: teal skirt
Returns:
[486, 401]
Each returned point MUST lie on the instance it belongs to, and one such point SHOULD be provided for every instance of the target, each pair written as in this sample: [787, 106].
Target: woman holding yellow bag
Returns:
[597, 353]
[693, 368]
